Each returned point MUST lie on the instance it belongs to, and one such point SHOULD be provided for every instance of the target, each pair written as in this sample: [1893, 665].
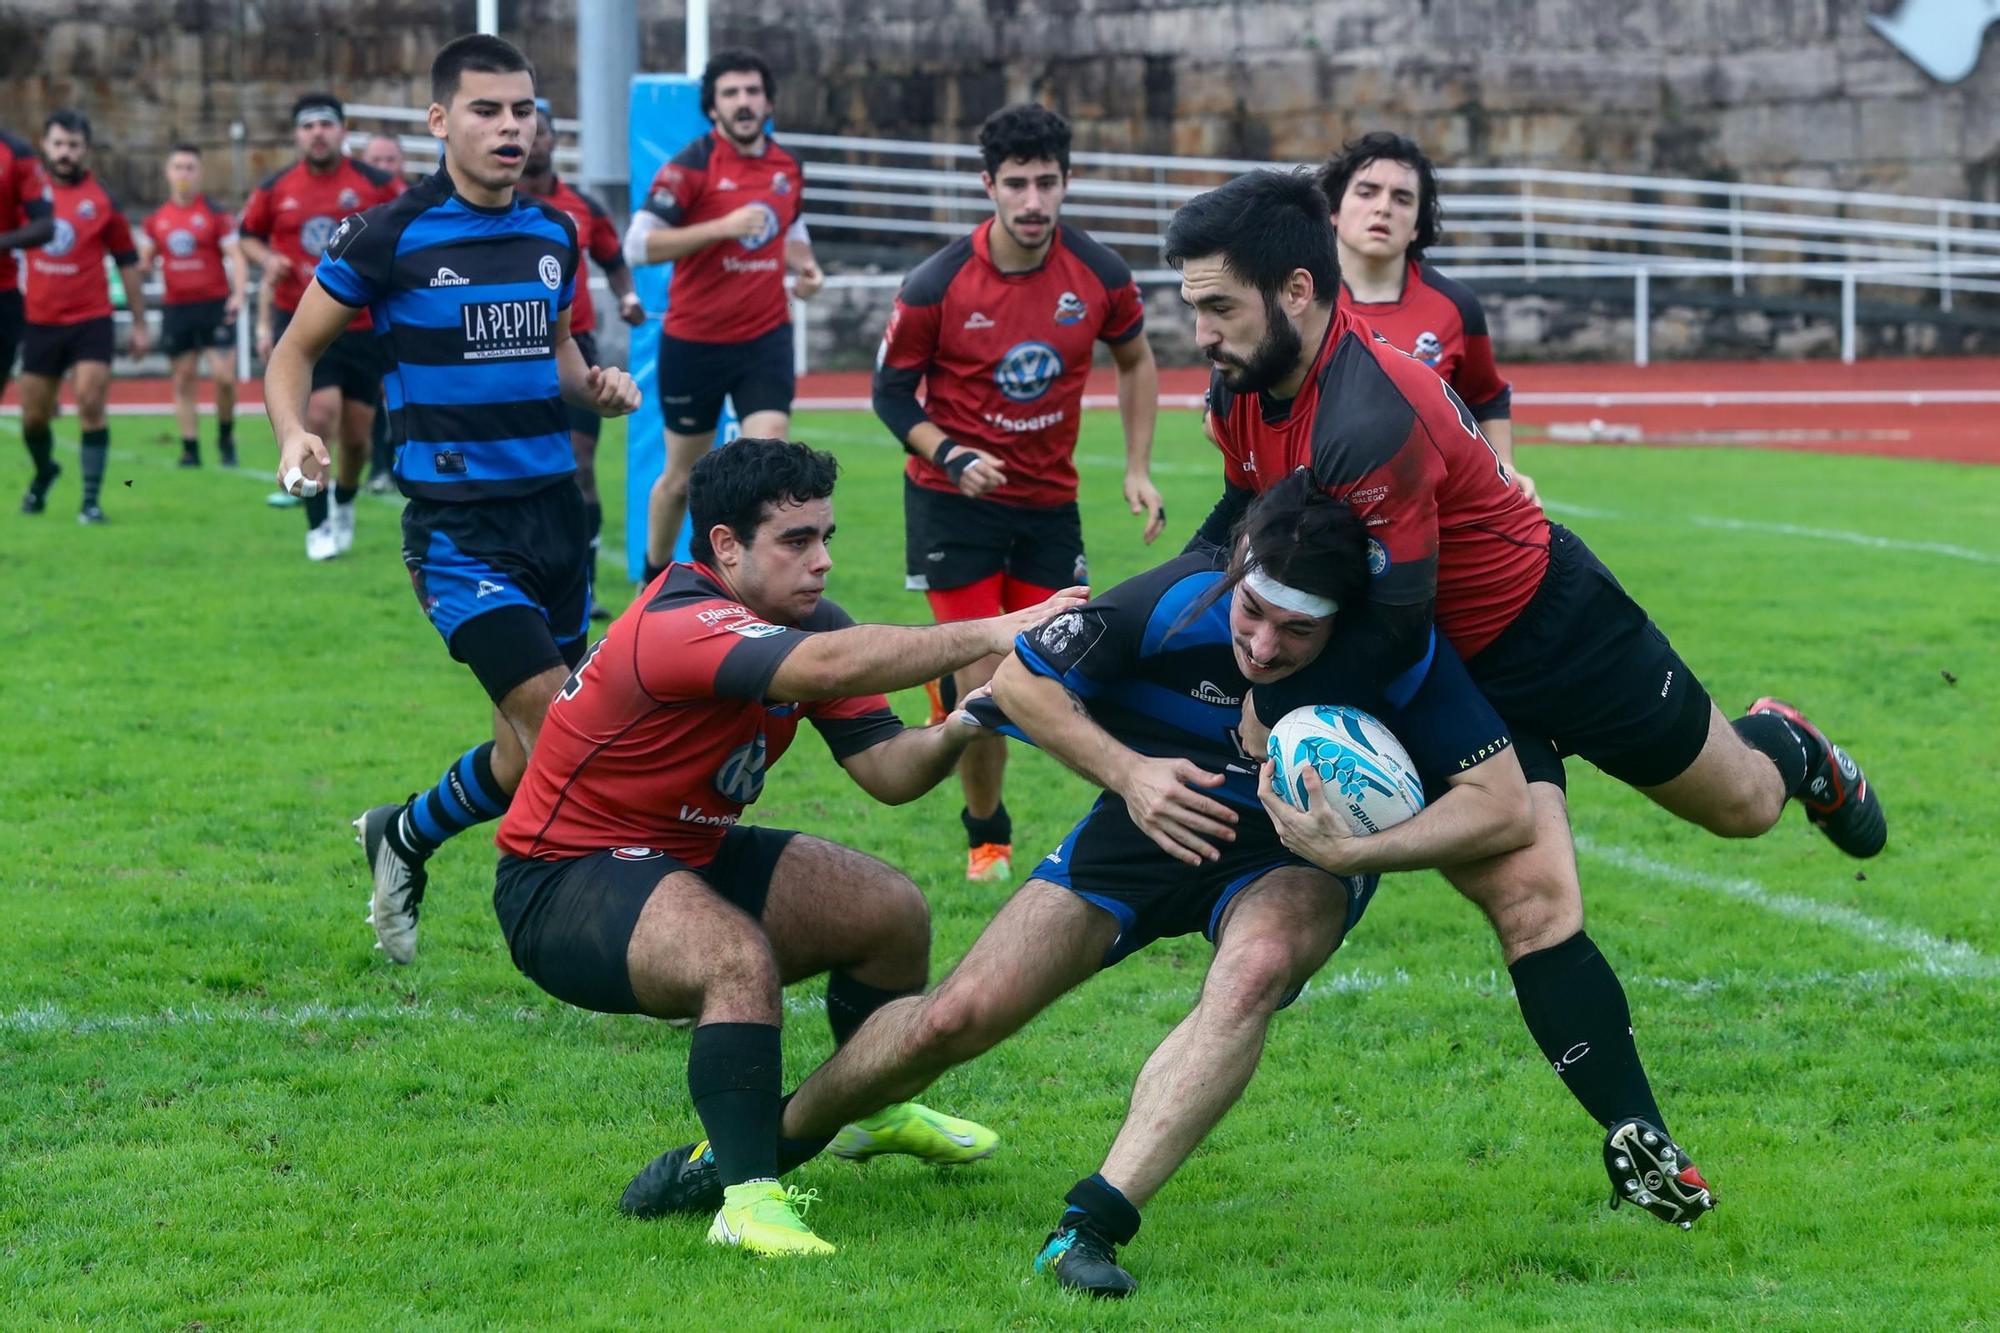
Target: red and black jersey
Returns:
[296, 211]
[596, 237]
[24, 197]
[1441, 323]
[1003, 356]
[663, 735]
[66, 283]
[731, 291]
[189, 239]
[1382, 432]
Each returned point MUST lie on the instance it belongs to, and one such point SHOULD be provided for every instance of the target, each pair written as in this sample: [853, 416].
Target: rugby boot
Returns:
[1837, 797]
[397, 884]
[36, 498]
[1648, 1169]
[90, 515]
[680, 1180]
[990, 863]
[768, 1220]
[915, 1131]
[1084, 1261]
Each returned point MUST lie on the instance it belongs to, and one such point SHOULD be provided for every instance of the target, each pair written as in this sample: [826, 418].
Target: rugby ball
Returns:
[1364, 769]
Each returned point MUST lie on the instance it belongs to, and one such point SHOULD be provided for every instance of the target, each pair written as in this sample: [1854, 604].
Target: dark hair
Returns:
[477, 53]
[738, 483]
[1305, 539]
[735, 60]
[192, 150]
[1024, 132]
[1264, 224]
[68, 118]
[328, 100]
[1384, 146]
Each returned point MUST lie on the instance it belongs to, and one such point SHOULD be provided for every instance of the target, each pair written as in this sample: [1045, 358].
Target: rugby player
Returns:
[469, 285]
[69, 326]
[27, 220]
[384, 152]
[202, 277]
[725, 210]
[600, 241]
[1385, 215]
[999, 327]
[1571, 661]
[284, 229]
[627, 881]
[1140, 691]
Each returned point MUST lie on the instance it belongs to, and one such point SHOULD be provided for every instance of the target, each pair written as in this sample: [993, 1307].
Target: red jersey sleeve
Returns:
[710, 650]
[256, 220]
[606, 246]
[1477, 380]
[118, 241]
[674, 190]
[31, 187]
[911, 340]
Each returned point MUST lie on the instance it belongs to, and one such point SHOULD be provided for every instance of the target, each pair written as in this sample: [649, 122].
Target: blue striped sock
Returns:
[466, 795]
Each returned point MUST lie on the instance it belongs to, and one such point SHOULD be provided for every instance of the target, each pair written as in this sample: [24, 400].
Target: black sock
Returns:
[795, 1153]
[41, 442]
[1576, 1011]
[96, 445]
[225, 433]
[316, 508]
[996, 827]
[849, 1002]
[1097, 1201]
[653, 571]
[733, 1075]
[190, 445]
[1795, 752]
[344, 495]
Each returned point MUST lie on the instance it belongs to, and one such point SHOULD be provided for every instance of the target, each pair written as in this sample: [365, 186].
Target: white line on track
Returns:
[1932, 954]
[1870, 540]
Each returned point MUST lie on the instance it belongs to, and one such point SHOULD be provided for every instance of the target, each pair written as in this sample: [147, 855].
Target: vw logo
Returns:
[764, 234]
[1027, 371]
[314, 235]
[741, 777]
[180, 243]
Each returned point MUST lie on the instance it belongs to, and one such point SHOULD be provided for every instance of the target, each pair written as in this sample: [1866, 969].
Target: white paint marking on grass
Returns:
[1933, 954]
[1842, 535]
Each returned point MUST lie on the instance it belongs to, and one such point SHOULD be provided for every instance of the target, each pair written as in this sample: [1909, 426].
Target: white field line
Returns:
[1931, 954]
[1841, 535]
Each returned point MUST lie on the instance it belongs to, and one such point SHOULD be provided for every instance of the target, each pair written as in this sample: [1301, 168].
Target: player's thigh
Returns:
[683, 452]
[1043, 943]
[1046, 553]
[323, 412]
[1279, 929]
[38, 397]
[1531, 895]
[767, 426]
[185, 368]
[761, 381]
[828, 906]
[955, 550]
[691, 941]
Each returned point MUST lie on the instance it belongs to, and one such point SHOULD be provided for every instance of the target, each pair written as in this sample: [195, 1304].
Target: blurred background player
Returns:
[999, 327]
[384, 152]
[202, 279]
[1385, 215]
[598, 238]
[69, 326]
[285, 226]
[726, 210]
[27, 220]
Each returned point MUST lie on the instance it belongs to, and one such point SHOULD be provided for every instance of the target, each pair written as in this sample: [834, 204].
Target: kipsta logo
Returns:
[1070, 308]
[767, 227]
[1027, 371]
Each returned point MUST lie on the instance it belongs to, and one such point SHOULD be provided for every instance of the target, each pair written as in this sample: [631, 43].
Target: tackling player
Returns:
[1571, 662]
[285, 227]
[1385, 215]
[726, 211]
[27, 220]
[69, 326]
[202, 273]
[600, 241]
[999, 327]
[470, 287]
[627, 881]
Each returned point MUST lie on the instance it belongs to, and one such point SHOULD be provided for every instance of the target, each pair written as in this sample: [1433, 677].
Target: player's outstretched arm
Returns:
[913, 761]
[302, 457]
[1161, 794]
[876, 659]
[1486, 812]
[1138, 412]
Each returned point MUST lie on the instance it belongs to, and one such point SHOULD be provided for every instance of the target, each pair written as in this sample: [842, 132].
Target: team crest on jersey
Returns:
[637, 853]
[1378, 558]
[1429, 349]
[551, 271]
[180, 244]
[199, 222]
[1028, 370]
[316, 235]
[1070, 308]
[741, 777]
[349, 199]
[767, 227]
[343, 236]
[62, 241]
[87, 209]
[781, 183]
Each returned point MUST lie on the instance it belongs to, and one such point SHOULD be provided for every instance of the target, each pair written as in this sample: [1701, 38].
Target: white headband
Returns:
[1287, 598]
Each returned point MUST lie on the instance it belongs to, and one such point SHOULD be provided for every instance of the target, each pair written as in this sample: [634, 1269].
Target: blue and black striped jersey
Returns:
[466, 302]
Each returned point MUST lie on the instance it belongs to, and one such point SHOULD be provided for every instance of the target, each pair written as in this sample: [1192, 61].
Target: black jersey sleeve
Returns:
[1447, 725]
[1096, 646]
[1213, 534]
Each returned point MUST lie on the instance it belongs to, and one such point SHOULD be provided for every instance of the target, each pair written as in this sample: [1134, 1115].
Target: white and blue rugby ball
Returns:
[1363, 767]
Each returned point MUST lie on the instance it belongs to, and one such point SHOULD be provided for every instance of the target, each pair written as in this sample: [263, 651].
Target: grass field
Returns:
[220, 1109]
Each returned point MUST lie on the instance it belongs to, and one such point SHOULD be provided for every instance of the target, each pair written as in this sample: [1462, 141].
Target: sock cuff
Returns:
[1556, 958]
[482, 789]
[1775, 736]
[735, 1057]
[996, 827]
[100, 437]
[849, 1002]
[1111, 1214]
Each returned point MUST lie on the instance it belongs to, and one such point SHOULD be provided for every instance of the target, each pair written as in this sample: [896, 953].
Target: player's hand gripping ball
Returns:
[1368, 776]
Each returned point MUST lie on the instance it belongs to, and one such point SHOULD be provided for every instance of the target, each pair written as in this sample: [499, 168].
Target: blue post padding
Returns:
[666, 114]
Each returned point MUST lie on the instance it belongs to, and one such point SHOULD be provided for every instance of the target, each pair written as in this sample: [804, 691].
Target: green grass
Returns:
[219, 1108]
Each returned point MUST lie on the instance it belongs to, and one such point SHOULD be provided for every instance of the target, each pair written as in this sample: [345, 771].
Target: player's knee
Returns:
[1251, 979]
[955, 1026]
[905, 917]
